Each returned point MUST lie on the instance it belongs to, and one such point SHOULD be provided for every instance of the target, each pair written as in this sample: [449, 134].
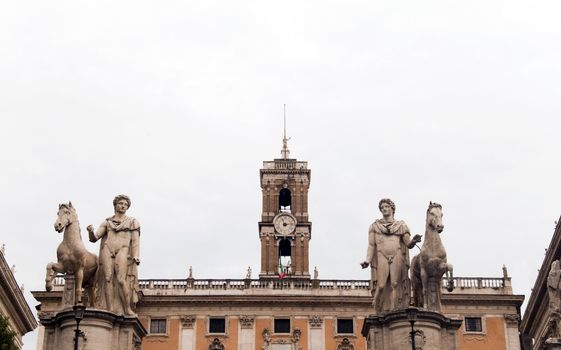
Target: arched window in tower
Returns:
[285, 251]
[285, 200]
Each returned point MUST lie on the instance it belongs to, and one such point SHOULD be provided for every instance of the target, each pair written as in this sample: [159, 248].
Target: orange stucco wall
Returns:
[302, 324]
[493, 339]
[260, 325]
[157, 342]
[232, 341]
[331, 341]
[204, 339]
[360, 343]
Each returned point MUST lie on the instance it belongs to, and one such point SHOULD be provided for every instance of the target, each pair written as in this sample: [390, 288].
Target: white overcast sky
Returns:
[177, 103]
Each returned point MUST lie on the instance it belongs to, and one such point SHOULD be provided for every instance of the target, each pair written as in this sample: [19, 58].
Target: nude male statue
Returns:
[118, 257]
[388, 255]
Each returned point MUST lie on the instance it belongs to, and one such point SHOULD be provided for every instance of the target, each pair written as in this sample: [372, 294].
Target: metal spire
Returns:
[285, 151]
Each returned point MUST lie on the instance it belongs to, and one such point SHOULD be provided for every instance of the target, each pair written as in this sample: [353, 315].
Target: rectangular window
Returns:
[282, 325]
[345, 326]
[217, 325]
[473, 324]
[158, 326]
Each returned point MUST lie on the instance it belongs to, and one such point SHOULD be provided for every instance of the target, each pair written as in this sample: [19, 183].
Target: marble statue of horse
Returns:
[72, 256]
[430, 264]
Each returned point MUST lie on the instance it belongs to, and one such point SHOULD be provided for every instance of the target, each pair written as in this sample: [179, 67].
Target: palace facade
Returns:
[13, 304]
[538, 322]
[289, 308]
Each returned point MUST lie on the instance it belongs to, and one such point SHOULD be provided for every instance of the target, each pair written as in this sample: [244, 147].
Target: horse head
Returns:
[66, 215]
[434, 217]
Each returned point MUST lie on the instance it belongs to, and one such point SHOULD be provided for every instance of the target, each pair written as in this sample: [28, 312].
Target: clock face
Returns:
[284, 224]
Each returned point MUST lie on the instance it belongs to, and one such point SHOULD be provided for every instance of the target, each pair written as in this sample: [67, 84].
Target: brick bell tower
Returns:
[285, 230]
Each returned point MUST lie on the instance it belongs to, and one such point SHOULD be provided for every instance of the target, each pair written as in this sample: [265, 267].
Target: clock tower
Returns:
[285, 230]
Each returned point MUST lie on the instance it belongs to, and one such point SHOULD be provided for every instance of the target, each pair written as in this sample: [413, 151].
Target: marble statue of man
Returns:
[388, 255]
[554, 293]
[118, 259]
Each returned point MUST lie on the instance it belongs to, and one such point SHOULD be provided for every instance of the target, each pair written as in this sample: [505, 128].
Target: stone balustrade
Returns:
[462, 284]
[477, 282]
[213, 284]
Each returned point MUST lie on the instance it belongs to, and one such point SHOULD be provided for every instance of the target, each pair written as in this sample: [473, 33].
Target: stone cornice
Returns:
[317, 301]
[483, 299]
[51, 320]
[539, 292]
[256, 300]
[22, 314]
[382, 319]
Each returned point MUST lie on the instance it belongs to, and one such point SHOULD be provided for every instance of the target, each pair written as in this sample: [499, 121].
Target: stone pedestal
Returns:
[68, 295]
[101, 330]
[391, 331]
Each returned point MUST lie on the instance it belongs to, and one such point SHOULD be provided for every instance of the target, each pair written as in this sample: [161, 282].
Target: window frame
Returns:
[481, 318]
[166, 324]
[209, 318]
[282, 318]
[352, 319]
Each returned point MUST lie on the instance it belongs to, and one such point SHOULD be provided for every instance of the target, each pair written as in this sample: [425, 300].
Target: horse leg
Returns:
[91, 295]
[52, 270]
[90, 276]
[78, 284]
[425, 286]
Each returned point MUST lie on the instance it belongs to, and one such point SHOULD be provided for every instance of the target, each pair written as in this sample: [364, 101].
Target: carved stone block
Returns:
[247, 321]
[68, 295]
[188, 321]
[512, 319]
[315, 321]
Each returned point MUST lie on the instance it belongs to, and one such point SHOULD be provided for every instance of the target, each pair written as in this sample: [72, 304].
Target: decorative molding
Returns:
[294, 340]
[296, 334]
[469, 338]
[266, 338]
[46, 314]
[420, 339]
[247, 321]
[216, 345]
[137, 342]
[188, 321]
[345, 344]
[315, 321]
[512, 319]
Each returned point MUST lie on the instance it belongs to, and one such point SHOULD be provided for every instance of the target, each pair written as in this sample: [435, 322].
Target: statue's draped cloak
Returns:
[398, 228]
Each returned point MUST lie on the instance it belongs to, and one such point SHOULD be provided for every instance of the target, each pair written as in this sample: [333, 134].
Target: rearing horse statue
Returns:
[72, 256]
[430, 264]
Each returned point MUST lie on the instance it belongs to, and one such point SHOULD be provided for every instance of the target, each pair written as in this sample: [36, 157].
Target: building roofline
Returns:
[539, 291]
[20, 311]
